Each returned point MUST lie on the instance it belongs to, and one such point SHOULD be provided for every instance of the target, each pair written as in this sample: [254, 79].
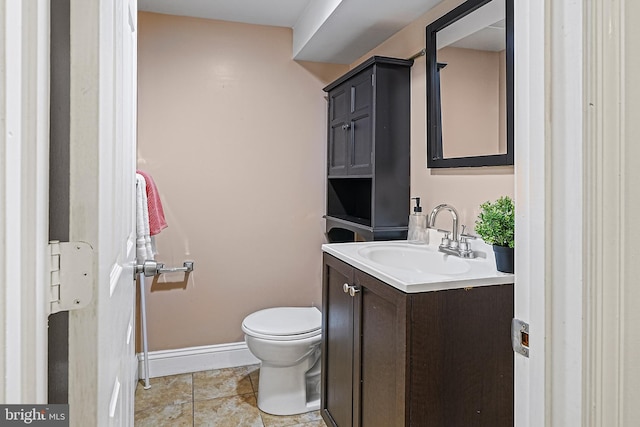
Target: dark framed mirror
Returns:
[470, 86]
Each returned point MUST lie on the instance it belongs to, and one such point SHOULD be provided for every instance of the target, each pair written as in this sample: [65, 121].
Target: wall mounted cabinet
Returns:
[393, 359]
[369, 149]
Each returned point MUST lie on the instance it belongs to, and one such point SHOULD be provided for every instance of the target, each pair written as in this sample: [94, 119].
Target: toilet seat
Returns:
[284, 323]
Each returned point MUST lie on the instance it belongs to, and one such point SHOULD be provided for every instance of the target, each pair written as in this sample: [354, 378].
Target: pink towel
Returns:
[157, 223]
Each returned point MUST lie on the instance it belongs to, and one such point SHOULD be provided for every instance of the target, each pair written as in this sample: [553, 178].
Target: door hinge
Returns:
[373, 79]
[71, 275]
[520, 337]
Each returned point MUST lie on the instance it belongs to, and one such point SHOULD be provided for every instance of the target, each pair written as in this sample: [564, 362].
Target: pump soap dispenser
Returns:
[417, 224]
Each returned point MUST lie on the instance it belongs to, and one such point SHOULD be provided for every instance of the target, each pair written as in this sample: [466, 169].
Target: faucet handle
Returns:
[439, 230]
[445, 239]
[464, 236]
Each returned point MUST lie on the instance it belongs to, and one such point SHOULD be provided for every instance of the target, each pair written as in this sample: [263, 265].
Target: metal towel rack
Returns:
[151, 268]
[154, 268]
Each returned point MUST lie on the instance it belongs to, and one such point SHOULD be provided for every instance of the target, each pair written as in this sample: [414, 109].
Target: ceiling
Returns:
[484, 29]
[336, 31]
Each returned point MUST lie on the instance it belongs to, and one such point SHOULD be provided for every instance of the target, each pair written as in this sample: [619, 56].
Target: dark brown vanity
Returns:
[391, 358]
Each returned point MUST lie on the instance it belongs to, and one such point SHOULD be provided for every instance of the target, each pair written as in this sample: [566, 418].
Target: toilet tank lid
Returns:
[281, 321]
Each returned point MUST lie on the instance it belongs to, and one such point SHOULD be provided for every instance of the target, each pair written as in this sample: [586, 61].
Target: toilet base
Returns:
[289, 390]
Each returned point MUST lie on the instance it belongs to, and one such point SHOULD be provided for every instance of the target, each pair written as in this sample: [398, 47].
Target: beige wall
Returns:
[234, 133]
[465, 188]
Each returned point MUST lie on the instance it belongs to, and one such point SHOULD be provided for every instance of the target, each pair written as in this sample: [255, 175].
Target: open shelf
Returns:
[350, 199]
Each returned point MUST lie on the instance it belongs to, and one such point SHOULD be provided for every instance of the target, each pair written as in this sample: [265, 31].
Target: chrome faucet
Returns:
[453, 246]
[432, 220]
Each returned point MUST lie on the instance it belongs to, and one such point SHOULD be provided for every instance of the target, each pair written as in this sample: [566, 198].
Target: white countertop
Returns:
[411, 277]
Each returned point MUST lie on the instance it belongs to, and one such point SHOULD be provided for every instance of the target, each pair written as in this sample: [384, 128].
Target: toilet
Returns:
[286, 340]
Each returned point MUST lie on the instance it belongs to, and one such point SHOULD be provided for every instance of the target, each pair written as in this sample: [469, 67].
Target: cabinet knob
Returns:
[346, 126]
[345, 288]
[353, 291]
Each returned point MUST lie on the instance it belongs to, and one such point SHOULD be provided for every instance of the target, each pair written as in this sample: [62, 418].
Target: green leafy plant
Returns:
[496, 222]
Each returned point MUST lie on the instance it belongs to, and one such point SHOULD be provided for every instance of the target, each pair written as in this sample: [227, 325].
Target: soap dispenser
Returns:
[417, 223]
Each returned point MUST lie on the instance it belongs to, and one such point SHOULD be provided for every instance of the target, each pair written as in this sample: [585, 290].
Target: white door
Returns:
[102, 174]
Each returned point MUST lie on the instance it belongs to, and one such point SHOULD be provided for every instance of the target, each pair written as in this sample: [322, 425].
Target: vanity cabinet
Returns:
[368, 149]
[390, 358]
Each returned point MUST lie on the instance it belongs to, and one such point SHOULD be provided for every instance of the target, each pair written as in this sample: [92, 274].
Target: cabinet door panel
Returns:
[338, 156]
[338, 104]
[362, 93]
[337, 351]
[462, 362]
[338, 145]
[381, 351]
[361, 148]
[361, 137]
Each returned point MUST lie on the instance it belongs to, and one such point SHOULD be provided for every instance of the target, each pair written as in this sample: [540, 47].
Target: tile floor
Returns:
[221, 398]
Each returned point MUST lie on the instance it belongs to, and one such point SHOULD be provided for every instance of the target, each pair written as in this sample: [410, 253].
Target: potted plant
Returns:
[496, 226]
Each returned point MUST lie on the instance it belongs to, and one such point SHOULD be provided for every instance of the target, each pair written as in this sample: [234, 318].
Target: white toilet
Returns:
[287, 342]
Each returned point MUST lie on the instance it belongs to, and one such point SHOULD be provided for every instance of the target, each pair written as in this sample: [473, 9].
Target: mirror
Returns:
[470, 86]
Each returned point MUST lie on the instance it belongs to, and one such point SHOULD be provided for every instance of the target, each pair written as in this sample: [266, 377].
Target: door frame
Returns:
[574, 168]
[612, 170]
[24, 191]
[529, 152]
[549, 194]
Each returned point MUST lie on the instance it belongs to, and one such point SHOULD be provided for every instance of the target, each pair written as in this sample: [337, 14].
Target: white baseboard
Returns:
[194, 359]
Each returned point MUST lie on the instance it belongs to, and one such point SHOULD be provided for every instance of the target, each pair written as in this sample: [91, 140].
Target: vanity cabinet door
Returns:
[364, 351]
[337, 344]
[462, 361]
[380, 353]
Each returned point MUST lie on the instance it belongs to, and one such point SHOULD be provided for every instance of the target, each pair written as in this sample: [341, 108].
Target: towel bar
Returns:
[187, 267]
[153, 268]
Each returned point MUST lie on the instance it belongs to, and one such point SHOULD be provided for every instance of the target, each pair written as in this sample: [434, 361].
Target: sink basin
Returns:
[412, 267]
[416, 259]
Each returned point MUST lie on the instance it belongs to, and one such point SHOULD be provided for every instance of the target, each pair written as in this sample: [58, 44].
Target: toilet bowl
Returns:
[286, 340]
